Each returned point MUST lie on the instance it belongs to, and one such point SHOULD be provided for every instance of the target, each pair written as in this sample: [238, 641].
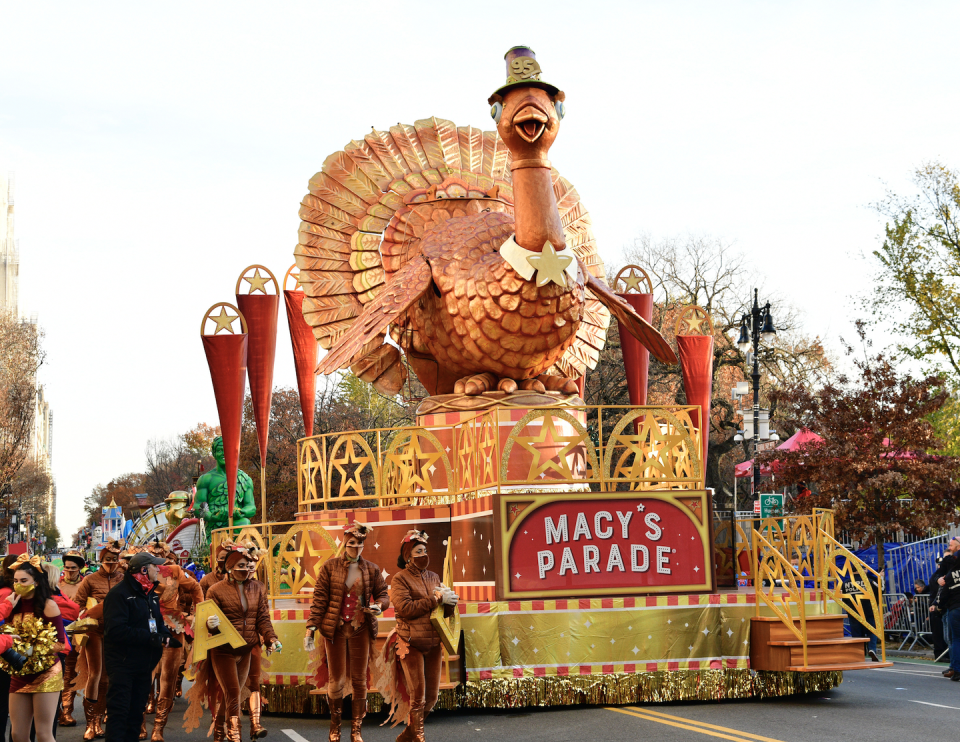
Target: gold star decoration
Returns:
[224, 321]
[414, 465]
[257, 282]
[654, 451]
[632, 281]
[550, 266]
[547, 440]
[694, 320]
[349, 460]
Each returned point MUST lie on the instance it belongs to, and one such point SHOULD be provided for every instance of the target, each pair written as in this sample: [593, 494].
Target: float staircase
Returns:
[773, 646]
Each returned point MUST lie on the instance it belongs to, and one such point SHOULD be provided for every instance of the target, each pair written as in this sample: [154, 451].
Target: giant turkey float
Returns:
[580, 539]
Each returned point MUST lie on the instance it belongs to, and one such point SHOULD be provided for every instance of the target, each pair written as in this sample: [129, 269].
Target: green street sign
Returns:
[771, 506]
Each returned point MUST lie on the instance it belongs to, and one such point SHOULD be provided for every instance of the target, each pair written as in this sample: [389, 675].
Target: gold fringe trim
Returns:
[594, 690]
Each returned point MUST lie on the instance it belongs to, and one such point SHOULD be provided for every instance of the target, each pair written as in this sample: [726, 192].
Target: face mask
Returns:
[239, 575]
[353, 559]
[69, 581]
[24, 591]
[145, 582]
[422, 562]
[108, 567]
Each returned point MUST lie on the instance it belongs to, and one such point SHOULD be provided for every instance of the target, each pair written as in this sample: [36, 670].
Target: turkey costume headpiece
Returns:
[407, 545]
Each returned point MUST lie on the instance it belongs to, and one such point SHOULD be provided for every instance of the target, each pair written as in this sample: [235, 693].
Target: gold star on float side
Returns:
[411, 465]
[559, 465]
[550, 266]
[632, 281]
[257, 282]
[224, 321]
[350, 461]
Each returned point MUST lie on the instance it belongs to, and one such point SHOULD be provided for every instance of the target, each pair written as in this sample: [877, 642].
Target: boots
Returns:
[406, 735]
[356, 720]
[179, 691]
[100, 719]
[256, 730]
[219, 726]
[336, 712]
[66, 712]
[233, 729]
[90, 714]
[163, 711]
[416, 721]
[152, 700]
[143, 727]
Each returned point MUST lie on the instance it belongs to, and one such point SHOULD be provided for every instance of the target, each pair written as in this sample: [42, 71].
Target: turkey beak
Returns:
[530, 123]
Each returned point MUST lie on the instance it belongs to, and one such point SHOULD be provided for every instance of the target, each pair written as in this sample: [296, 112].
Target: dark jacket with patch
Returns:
[128, 644]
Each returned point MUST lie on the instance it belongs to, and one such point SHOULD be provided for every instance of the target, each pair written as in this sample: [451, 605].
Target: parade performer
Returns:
[70, 579]
[35, 690]
[413, 653]
[90, 663]
[244, 603]
[218, 573]
[349, 596]
[173, 583]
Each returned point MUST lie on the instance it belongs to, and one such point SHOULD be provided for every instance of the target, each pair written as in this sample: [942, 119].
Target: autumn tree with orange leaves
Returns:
[874, 467]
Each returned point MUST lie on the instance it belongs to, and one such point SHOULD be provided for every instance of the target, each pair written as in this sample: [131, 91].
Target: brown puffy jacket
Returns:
[412, 594]
[253, 624]
[208, 581]
[331, 588]
[96, 585]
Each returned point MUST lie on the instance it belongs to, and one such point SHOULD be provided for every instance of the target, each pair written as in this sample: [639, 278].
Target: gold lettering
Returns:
[203, 640]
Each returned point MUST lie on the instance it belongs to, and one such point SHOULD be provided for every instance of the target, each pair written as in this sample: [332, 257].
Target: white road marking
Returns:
[938, 705]
[294, 736]
[909, 672]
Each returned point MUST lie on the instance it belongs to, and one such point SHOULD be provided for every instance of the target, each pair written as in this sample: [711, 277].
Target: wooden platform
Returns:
[773, 647]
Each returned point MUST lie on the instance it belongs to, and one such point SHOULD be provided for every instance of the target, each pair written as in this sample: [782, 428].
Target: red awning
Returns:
[795, 441]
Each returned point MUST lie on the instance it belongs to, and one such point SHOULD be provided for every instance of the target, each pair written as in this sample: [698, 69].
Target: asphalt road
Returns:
[910, 701]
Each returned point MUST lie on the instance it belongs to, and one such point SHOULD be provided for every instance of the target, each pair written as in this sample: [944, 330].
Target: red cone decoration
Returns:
[227, 359]
[304, 353]
[695, 348]
[636, 358]
[261, 311]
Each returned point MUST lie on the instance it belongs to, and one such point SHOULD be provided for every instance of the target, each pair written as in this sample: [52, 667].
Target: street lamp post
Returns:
[760, 323]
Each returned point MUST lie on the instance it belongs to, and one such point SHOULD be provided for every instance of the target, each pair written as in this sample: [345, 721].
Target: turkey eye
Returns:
[496, 111]
[561, 109]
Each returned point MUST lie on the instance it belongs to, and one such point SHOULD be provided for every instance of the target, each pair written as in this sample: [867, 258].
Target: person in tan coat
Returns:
[96, 586]
[412, 653]
[244, 603]
[349, 596]
[70, 579]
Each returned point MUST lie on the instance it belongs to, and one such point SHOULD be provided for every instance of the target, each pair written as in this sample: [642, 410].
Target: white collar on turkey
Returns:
[549, 265]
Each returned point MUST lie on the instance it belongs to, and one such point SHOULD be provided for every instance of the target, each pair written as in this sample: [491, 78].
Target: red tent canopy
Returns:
[795, 441]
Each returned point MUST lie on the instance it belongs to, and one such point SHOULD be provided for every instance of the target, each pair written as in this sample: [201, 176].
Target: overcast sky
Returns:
[161, 148]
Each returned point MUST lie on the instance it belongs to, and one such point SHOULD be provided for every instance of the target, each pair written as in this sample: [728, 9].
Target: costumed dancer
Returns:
[90, 664]
[413, 654]
[219, 571]
[173, 582]
[349, 596]
[35, 690]
[70, 579]
[244, 603]
[190, 594]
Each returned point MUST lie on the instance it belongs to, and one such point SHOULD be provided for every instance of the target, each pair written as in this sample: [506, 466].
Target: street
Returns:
[910, 701]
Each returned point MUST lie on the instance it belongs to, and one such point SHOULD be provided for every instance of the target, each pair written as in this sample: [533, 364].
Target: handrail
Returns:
[857, 573]
[773, 568]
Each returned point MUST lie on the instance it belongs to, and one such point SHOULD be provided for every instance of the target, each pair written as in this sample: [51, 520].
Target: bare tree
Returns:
[21, 355]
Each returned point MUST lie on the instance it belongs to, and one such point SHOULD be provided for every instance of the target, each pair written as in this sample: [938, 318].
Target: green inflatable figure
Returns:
[211, 500]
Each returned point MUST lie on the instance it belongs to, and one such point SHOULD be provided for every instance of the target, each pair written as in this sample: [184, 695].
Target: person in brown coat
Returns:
[349, 596]
[70, 578]
[96, 586]
[244, 603]
[212, 578]
[413, 653]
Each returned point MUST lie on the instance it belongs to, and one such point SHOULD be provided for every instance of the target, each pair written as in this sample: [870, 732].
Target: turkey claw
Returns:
[507, 385]
[533, 385]
[475, 385]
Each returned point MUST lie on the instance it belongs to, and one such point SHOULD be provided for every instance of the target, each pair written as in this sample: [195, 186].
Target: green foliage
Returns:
[946, 426]
[917, 292]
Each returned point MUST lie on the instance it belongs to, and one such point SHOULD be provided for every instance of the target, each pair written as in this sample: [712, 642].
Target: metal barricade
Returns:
[921, 620]
[898, 618]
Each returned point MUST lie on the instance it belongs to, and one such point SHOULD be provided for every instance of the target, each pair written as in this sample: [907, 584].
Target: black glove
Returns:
[14, 659]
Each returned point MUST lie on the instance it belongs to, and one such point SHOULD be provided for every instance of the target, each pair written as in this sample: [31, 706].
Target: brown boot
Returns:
[90, 714]
[219, 726]
[336, 714]
[163, 711]
[233, 729]
[143, 727]
[101, 716]
[66, 712]
[416, 721]
[256, 729]
[152, 700]
[179, 691]
[356, 720]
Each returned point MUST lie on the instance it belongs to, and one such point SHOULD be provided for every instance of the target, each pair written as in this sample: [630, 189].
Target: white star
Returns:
[640, 508]
[568, 654]
[693, 538]
[531, 628]
[524, 533]
[650, 636]
[561, 635]
[484, 571]
[515, 641]
[464, 570]
[432, 468]
[690, 647]
[473, 631]
[686, 626]
[447, 449]
[695, 569]
[587, 624]
[629, 628]
[613, 641]
[517, 575]
[669, 621]
[706, 631]
[729, 632]
[468, 552]
[384, 573]
[337, 542]
[476, 654]
[634, 650]
[489, 546]
[535, 650]
[742, 620]
[746, 642]
[593, 646]
[376, 545]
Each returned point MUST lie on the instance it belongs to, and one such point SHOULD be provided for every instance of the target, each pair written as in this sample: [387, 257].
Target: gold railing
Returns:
[601, 449]
[855, 574]
[779, 585]
[295, 551]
